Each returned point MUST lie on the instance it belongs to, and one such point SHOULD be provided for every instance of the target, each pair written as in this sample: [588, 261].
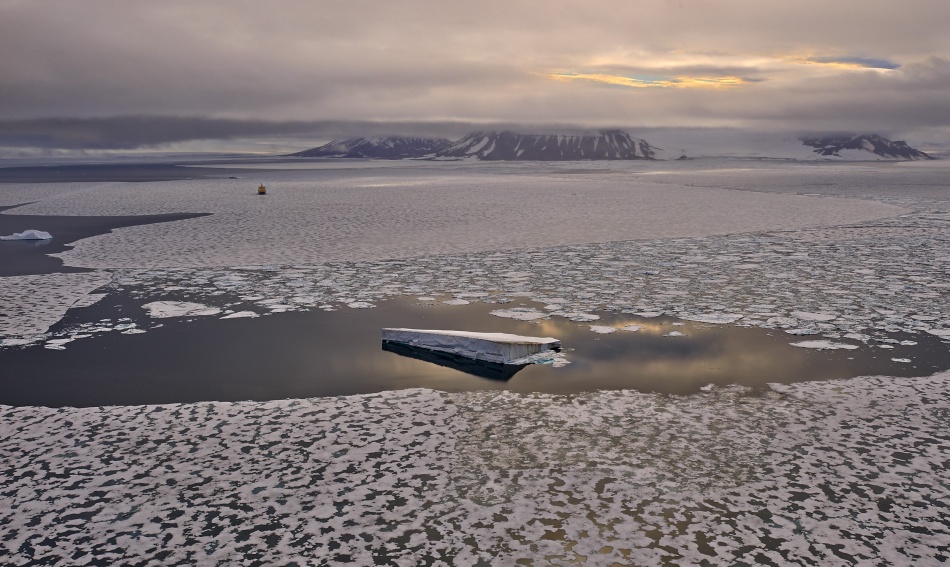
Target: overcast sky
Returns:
[271, 68]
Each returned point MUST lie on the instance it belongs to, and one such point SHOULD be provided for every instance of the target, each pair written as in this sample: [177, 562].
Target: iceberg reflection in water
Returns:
[480, 368]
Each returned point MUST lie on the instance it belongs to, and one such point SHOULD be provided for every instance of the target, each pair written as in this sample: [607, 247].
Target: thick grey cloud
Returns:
[253, 68]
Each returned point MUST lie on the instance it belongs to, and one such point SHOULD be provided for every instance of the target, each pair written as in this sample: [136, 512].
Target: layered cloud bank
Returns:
[881, 67]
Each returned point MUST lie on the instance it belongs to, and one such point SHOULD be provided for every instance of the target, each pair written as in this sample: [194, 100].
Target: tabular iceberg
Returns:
[502, 348]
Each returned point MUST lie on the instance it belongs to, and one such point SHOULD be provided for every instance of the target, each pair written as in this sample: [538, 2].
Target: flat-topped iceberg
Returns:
[30, 234]
[503, 348]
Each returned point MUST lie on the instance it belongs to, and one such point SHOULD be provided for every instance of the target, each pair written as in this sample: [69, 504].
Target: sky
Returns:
[113, 74]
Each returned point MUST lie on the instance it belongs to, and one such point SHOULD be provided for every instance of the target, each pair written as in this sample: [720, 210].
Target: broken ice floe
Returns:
[824, 345]
[829, 473]
[502, 348]
[165, 309]
[242, 315]
[602, 329]
[30, 234]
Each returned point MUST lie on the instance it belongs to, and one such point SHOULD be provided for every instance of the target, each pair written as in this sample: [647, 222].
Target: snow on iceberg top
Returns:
[30, 234]
[502, 348]
[506, 338]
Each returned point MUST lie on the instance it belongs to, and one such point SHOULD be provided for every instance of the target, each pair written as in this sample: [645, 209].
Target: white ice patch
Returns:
[716, 318]
[674, 334]
[631, 328]
[824, 345]
[360, 305]
[602, 330]
[904, 360]
[166, 309]
[942, 333]
[578, 316]
[814, 316]
[241, 315]
[456, 301]
[520, 313]
[30, 234]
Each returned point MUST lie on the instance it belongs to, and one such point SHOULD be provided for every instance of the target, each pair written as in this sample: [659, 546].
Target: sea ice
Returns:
[241, 315]
[520, 313]
[166, 309]
[824, 345]
[603, 330]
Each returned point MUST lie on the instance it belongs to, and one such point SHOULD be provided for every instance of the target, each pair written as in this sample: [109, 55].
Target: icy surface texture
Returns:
[833, 473]
[30, 304]
[304, 221]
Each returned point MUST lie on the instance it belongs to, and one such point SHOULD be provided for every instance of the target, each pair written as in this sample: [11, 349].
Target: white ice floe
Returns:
[631, 328]
[242, 315]
[30, 234]
[674, 334]
[602, 329]
[456, 301]
[166, 309]
[504, 348]
[359, 305]
[904, 360]
[717, 318]
[579, 317]
[804, 315]
[648, 314]
[942, 333]
[520, 313]
[824, 345]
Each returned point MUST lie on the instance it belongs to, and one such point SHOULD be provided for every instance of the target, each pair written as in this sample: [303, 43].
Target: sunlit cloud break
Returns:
[854, 63]
[679, 82]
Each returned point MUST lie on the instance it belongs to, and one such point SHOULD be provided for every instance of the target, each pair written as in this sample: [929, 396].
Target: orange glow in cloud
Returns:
[679, 82]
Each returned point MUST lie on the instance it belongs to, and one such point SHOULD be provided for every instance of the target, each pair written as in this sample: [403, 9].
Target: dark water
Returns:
[292, 355]
[103, 172]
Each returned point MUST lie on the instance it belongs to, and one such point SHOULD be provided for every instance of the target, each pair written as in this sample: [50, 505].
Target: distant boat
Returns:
[261, 190]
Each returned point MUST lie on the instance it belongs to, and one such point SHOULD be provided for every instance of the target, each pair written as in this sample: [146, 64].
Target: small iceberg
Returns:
[30, 234]
[501, 348]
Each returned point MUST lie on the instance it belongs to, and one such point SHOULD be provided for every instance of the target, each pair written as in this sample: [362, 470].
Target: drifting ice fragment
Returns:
[165, 309]
[602, 329]
[824, 345]
[716, 318]
[28, 235]
[502, 348]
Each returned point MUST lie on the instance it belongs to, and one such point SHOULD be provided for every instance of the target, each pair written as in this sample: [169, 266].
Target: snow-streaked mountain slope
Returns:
[390, 147]
[851, 146]
[511, 146]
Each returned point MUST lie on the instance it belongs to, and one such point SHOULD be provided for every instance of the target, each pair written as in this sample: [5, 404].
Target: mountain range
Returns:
[608, 145]
[857, 146]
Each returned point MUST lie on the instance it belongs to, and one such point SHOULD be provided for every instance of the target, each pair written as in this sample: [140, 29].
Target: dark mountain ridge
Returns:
[833, 145]
[512, 146]
[389, 147]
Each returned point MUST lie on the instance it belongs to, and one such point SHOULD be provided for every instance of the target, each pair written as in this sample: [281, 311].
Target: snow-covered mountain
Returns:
[511, 146]
[860, 146]
[390, 147]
